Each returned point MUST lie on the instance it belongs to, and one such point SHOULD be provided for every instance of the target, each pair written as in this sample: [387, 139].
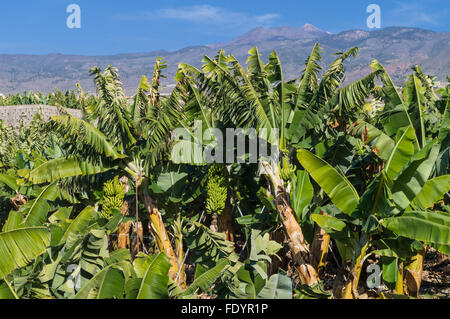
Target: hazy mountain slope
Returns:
[397, 48]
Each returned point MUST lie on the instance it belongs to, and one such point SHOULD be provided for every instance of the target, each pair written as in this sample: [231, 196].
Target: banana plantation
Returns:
[97, 208]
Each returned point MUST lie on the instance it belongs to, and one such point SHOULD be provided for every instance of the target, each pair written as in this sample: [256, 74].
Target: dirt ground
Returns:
[436, 276]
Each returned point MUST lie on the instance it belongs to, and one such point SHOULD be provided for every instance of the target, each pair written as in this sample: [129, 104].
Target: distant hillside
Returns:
[398, 48]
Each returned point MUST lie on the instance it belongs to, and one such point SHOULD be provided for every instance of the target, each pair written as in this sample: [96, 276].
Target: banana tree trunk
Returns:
[319, 250]
[123, 233]
[123, 239]
[413, 274]
[225, 221]
[214, 222]
[399, 285]
[138, 241]
[162, 239]
[298, 247]
[297, 244]
[351, 287]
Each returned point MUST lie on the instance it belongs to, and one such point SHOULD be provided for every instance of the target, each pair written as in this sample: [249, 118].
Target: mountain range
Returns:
[397, 48]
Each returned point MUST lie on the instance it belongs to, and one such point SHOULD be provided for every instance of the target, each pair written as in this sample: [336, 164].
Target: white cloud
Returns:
[208, 15]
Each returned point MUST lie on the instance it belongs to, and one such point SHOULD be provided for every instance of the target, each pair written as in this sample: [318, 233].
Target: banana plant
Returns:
[199, 101]
[419, 108]
[393, 203]
[110, 140]
[262, 99]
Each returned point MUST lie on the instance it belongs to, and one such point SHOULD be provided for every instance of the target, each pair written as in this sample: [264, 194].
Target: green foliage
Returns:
[19, 247]
[155, 280]
[429, 227]
[337, 187]
[207, 246]
[366, 162]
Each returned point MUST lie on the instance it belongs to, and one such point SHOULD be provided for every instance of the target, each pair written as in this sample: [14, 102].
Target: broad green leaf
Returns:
[112, 285]
[402, 152]
[414, 95]
[9, 181]
[346, 249]
[280, 87]
[140, 264]
[38, 209]
[279, 286]
[207, 279]
[337, 187]
[207, 247]
[309, 80]
[141, 100]
[316, 291]
[13, 222]
[398, 115]
[59, 168]
[107, 283]
[329, 223]
[390, 271]
[264, 111]
[302, 193]
[86, 132]
[172, 182]
[154, 284]
[411, 179]
[445, 123]
[118, 256]
[428, 227]
[62, 214]
[5, 291]
[302, 122]
[432, 192]
[80, 223]
[19, 247]
[132, 286]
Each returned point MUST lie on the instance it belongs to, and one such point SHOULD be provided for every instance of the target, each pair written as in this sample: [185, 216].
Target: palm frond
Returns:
[309, 81]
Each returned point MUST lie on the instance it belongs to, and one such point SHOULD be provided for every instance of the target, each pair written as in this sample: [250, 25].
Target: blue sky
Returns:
[118, 26]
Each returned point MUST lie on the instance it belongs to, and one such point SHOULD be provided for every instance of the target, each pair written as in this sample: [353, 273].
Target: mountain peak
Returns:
[307, 31]
[309, 27]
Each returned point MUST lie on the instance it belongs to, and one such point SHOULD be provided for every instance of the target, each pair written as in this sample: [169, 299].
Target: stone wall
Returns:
[12, 114]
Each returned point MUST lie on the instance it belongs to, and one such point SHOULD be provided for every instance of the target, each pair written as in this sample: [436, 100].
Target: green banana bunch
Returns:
[287, 170]
[113, 195]
[216, 188]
